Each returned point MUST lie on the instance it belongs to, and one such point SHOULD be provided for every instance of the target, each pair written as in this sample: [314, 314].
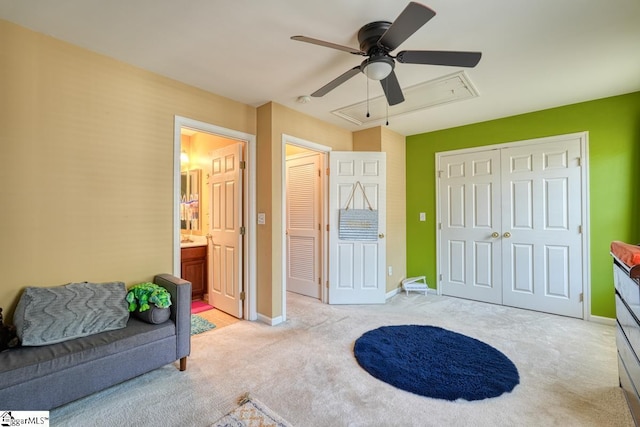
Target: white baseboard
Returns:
[392, 293]
[602, 320]
[269, 320]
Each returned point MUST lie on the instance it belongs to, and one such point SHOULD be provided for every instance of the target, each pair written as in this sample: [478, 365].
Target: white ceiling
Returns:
[536, 53]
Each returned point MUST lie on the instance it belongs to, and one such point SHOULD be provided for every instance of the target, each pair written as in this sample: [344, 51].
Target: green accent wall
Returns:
[613, 125]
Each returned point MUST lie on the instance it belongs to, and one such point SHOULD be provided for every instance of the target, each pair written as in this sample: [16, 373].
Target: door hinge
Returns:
[242, 295]
[320, 281]
[439, 226]
[579, 161]
[327, 172]
[327, 284]
[319, 173]
[439, 174]
[319, 227]
[243, 164]
[327, 227]
[242, 230]
[440, 277]
[579, 229]
[581, 298]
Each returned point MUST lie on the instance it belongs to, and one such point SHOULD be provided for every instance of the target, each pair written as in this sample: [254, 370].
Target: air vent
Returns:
[443, 90]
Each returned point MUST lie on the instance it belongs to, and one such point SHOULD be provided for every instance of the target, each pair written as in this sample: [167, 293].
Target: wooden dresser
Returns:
[627, 288]
[193, 266]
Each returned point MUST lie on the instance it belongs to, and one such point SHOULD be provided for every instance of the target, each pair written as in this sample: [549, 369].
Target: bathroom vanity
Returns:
[193, 246]
[193, 266]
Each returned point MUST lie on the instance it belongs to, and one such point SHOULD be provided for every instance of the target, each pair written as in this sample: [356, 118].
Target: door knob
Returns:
[495, 234]
[381, 235]
[507, 234]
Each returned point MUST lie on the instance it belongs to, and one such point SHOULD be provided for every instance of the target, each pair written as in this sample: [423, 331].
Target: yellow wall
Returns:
[274, 120]
[86, 167]
[394, 145]
[86, 163]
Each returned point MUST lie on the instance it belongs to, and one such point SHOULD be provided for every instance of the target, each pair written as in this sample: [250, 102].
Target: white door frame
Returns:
[324, 150]
[249, 202]
[584, 175]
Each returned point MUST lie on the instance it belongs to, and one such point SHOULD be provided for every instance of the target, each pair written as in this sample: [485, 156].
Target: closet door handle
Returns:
[507, 234]
[495, 234]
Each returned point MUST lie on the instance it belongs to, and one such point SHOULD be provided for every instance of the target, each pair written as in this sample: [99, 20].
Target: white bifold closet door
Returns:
[511, 226]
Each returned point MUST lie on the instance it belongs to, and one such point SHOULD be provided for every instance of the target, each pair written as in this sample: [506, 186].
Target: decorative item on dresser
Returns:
[626, 277]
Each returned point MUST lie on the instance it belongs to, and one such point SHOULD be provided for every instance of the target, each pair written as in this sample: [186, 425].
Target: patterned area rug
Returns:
[251, 413]
[200, 325]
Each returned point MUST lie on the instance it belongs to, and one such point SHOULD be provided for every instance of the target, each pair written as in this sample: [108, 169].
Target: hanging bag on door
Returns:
[358, 224]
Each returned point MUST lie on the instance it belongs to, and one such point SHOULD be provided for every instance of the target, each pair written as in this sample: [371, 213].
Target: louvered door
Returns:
[303, 225]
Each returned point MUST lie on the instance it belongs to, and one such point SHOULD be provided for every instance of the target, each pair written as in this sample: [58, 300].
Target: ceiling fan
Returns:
[378, 39]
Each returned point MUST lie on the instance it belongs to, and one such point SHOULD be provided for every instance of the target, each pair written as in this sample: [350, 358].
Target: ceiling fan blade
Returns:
[392, 89]
[439, 57]
[327, 44]
[336, 82]
[408, 22]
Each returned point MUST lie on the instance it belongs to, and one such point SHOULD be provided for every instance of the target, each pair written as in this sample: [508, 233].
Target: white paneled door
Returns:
[470, 226]
[303, 225]
[357, 267]
[511, 226]
[225, 230]
[541, 227]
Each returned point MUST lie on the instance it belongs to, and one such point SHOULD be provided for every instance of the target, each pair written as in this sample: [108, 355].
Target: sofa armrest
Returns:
[180, 291]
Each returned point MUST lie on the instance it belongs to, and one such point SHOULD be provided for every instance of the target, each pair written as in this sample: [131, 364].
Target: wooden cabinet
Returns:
[193, 264]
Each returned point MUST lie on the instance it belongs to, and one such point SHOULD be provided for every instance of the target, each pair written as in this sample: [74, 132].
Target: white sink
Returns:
[194, 241]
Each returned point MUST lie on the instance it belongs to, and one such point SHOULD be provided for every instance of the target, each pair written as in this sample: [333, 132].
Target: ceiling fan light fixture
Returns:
[377, 68]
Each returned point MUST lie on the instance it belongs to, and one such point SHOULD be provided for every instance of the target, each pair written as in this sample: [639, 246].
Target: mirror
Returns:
[190, 200]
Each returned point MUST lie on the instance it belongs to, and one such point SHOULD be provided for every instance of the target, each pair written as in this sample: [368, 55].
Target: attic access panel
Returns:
[443, 90]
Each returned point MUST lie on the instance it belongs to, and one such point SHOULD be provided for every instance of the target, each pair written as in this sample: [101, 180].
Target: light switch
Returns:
[262, 218]
[423, 216]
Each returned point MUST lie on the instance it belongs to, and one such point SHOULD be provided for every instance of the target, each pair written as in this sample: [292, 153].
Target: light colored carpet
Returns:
[304, 370]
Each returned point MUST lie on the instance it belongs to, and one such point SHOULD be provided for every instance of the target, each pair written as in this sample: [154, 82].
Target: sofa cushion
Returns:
[25, 363]
[55, 314]
[155, 315]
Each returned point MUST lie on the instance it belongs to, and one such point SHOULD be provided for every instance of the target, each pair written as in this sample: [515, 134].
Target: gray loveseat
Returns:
[42, 378]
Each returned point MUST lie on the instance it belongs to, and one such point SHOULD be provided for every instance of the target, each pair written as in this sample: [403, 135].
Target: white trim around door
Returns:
[250, 303]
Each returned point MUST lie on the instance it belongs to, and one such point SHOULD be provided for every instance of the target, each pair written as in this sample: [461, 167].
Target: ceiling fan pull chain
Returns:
[367, 73]
[386, 83]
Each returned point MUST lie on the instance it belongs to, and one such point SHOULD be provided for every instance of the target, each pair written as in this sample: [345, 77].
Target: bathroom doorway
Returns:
[197, 234]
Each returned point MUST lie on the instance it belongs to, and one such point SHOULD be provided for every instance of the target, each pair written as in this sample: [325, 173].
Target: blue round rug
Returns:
[434, 362]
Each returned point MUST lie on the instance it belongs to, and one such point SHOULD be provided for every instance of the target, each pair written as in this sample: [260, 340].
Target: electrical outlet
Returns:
[262, 218]
[390, 271]
[423, 216]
